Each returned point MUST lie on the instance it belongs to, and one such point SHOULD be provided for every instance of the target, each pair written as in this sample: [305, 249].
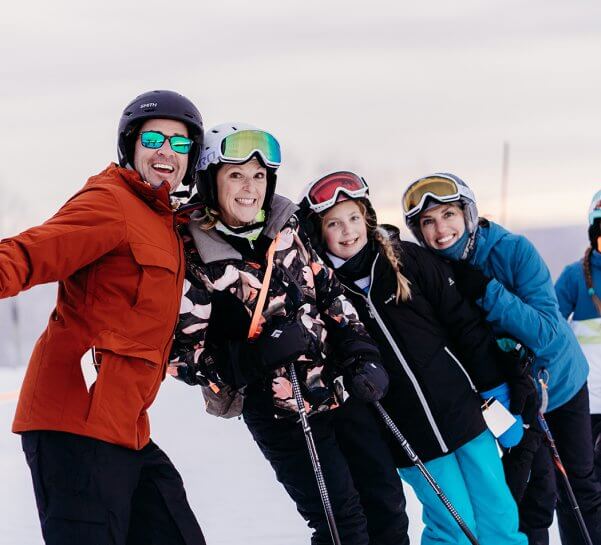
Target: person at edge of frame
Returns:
[507, 278]
[438, 353]
[240, 222]
[98, 478]
[578, 301]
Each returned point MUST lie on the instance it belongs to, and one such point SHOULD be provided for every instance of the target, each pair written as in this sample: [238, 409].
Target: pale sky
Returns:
[392, 90]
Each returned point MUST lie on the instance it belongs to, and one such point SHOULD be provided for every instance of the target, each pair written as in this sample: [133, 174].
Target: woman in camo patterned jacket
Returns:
[227, 247]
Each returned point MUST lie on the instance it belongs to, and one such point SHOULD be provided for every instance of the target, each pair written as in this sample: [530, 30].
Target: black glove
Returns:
[517, 462]
[471, 281]
[516, 364]
[284, 342]
[368, 380]
[203, 372]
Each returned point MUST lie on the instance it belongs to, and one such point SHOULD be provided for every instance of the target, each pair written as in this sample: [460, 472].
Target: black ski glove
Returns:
[203, 372]
[284, 342]
[524, 396]
[517, 462]
[367, 378]
[471, 281]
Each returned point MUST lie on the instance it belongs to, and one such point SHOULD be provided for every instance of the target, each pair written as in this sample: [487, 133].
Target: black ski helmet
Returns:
[160, 104]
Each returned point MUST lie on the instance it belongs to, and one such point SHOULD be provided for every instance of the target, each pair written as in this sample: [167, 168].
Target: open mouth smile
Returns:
[445, 240]
[349, 242]
[163, 168]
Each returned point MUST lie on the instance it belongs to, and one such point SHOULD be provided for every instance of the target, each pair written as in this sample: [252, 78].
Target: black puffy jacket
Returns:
[436, 348]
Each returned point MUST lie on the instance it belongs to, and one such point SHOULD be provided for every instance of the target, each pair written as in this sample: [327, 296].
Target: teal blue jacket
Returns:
[520, 301]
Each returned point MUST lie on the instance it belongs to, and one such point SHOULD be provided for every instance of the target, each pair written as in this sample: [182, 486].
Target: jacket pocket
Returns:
[158, 276]
[458, 363]
[125, 386]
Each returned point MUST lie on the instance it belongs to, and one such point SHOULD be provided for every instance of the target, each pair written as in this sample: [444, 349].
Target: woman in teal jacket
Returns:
[508, 279]
[578, 289]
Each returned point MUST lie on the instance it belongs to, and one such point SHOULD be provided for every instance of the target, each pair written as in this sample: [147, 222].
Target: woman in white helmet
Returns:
[257, 300]
[578, 289]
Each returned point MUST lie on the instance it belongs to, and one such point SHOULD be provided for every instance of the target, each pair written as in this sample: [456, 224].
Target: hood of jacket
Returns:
[486, 239]
[158, 198]
[213, 247]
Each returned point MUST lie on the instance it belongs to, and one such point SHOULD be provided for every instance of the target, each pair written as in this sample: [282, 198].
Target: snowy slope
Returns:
[231, 487]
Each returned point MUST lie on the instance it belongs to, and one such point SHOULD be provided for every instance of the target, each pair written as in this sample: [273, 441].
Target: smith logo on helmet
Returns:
[148, 105]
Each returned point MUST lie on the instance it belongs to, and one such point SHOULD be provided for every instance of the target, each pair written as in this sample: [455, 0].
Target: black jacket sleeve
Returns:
[471, 338]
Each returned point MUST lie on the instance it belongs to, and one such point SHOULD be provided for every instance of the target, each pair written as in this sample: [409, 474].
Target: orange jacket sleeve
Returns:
[88, 226]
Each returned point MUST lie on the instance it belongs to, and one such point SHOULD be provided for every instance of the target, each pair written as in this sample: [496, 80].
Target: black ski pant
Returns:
[537, 507]
[364, 440]
[283, 444]
[596, 428]
[571, 429]
[95, 493]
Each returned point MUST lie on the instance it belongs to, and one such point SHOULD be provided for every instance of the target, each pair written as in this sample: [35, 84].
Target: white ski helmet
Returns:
[594, 210]
[439, 188]
[235, 142]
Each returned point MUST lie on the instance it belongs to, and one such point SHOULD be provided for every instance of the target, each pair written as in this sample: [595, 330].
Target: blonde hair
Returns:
[209, 219]
[386, 248]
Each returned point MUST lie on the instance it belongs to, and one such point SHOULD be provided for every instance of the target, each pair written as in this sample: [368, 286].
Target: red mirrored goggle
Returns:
[324, 192]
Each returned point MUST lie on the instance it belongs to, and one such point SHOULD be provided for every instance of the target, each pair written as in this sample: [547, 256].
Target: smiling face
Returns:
[240, 192]
[162, 164]
[442, 226]
[344, 229]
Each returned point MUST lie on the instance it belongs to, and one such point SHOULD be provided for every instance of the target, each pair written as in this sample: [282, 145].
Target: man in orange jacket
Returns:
[97, 476]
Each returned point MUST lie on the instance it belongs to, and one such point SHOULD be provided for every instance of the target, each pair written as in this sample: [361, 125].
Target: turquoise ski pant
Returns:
[472, 478]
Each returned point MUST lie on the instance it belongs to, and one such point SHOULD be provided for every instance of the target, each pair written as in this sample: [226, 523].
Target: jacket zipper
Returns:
[472, 385]
[372, 310]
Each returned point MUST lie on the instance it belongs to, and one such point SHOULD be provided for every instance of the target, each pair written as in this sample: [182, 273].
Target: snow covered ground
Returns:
[231, 487]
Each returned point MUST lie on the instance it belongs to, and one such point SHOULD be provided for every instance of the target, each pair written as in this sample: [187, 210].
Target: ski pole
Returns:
[321, 484]
[564, 477]
[424, 471]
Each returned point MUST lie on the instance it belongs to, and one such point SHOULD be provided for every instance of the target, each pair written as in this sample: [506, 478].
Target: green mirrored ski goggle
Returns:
[240, 146]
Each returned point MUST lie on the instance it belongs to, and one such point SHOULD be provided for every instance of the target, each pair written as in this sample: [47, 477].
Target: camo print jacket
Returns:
[301, 287]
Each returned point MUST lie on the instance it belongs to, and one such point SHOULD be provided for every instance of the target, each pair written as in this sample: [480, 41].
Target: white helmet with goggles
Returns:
[235, 143]
[594, 210]
[436, 189]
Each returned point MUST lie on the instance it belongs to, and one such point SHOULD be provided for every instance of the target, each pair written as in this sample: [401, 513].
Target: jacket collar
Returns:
[157, 198]
[213, 247]
[486, 239]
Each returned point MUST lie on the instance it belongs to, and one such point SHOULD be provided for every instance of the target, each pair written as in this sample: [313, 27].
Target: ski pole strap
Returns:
[543, 380]
[254, 330]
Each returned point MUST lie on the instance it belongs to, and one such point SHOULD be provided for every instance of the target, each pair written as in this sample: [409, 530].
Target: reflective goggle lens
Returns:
[240, 145]
[437, 187]
[327, 188]
[155, 140]
[180, 144]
